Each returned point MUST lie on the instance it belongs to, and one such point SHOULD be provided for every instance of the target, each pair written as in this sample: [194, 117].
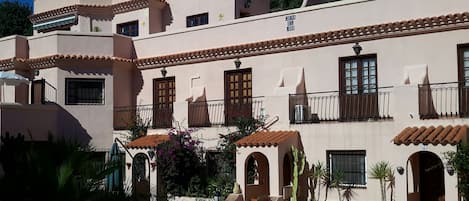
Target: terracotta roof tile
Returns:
[430, 135]
[149, 141]
[267, 138]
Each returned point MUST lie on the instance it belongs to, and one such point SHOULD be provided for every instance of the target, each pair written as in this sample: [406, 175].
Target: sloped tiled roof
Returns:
[266, 138]
[149, 141]
[432, 135]
[126, 6]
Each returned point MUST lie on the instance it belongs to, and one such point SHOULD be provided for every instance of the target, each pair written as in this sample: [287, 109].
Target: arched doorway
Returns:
[287, 170]
[257, 177]
[425, 177]
[141, 177]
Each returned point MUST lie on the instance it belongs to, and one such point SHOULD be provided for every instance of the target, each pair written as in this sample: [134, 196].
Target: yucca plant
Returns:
[317, 173]
[381, 171]
[392, 184]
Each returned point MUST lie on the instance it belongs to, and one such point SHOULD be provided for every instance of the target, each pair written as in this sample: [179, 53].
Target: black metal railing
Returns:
[334, 106]
[449, 99]
[219, 112]
[146, 115]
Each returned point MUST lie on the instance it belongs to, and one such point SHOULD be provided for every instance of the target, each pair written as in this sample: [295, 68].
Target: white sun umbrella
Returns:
[11, 79]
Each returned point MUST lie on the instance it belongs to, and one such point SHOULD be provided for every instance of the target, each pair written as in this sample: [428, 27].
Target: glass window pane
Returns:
[365, 80]
[354, 64]
[372, 80]
[347, 82]
[354, 72]
[365, 63]
[466, 63]
[347, 65]
[365, 72]
[347, 73]
[466, 72]
[372, 62]
[354, 82]
[466, 53]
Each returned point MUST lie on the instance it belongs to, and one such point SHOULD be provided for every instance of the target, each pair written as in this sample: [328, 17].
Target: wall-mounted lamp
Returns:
[237, 63]
[357, 49]
[164, 72]
[128, 165]
[151, 154]
[400, 170]
[450, 169]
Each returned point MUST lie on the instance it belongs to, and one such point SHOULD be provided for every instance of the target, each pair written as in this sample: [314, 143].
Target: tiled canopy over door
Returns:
[463, 63]
[358, 88]
[238, 95]
[164, 94]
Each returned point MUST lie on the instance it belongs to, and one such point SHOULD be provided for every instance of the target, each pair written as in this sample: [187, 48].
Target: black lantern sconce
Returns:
[164, 72]
[357, 49]
[450, 169]
[400, 170]
[237, 63]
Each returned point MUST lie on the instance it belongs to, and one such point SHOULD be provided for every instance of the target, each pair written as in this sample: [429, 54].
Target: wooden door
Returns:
[38, 92]
[463, 71]
[358, 88]
[238, 95]
[164, 94]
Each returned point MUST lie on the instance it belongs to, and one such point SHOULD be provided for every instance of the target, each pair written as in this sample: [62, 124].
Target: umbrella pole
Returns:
[3, 92]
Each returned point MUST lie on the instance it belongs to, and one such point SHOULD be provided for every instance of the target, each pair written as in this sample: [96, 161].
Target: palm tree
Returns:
[336, 182]
[381, 171]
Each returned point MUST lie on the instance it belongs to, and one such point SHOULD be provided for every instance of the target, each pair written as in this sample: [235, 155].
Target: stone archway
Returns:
[141, 177]
[257, 167]
[425, 177]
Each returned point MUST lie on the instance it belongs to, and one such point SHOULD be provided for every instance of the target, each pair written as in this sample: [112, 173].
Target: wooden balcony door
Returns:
[463, 68]
[238, 95]
[358, 88]
[38, 92]
[164, 94]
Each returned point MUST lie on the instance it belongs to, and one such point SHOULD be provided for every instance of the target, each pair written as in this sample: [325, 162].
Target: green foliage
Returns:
[181, 168]
[317, 175]
[53, 170]
[460, 161]
[383, 172]
[278, 5]
[298, 168]
[14, 19]
[138, 128]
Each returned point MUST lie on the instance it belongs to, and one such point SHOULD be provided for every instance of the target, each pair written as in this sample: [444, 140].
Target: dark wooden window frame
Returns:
[167, 119]
[462, 88]
[348, 153]
[128, 24]
[101, 80]
[228, 115]
[360, 58]
[198, 18]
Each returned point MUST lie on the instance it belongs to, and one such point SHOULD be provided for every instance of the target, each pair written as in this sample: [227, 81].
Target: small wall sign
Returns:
[290, 19]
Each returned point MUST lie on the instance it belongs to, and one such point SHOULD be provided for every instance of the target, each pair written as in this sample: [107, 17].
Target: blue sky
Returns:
[29, 2]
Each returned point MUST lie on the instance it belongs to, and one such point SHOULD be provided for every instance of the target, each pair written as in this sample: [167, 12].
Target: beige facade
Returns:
[294, 53]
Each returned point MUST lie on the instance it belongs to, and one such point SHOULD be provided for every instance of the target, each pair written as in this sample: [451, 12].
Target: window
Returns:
[359, 75]
[352, 164]
[84, 91]
[164, 95]
[358, 88]
[463, 66]
[128, 28]
[238, 95]
[197, 20]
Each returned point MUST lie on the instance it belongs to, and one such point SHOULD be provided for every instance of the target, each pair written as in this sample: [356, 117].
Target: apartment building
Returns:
[351, 82]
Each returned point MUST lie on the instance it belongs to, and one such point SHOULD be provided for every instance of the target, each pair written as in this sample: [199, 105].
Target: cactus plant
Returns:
[298, 167]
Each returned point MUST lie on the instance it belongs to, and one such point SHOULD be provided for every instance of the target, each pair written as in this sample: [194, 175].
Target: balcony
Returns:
[443, 100]
[200, 114]
[219, 112]
[125, 117]
[334, 106]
